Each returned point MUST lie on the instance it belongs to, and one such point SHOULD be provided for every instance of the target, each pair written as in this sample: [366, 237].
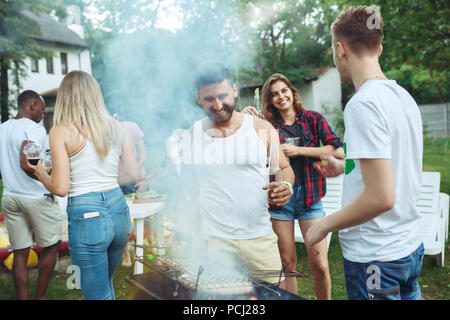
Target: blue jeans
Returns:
[96, 243]
[390, 280]
[294, 209]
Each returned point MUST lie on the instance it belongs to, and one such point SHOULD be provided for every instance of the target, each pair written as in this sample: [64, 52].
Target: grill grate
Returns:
[202, 278]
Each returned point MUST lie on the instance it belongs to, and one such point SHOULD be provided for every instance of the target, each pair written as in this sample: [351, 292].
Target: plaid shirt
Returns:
[315, 129]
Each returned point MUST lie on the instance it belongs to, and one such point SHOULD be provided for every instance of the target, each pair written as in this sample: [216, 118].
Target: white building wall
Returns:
[41, 82]
[327, 90]
[307, 96]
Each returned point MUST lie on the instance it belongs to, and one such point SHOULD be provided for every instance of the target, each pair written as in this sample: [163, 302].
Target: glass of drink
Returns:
[293, 140]
[33, 152]
[47, 160]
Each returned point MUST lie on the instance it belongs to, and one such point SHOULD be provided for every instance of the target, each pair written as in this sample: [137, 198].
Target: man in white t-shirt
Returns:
[379, 223]
[225, 175]
[31, 215]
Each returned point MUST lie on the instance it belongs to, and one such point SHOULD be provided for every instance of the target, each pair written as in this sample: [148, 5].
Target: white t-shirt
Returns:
[229, 175]
[15, 181]
[382, 121]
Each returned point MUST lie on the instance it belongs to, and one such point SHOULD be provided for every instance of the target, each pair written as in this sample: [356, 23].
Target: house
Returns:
[324, 91]
[70, 52]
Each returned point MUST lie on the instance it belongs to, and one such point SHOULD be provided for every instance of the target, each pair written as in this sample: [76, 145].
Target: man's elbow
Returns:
[61, 194]
[61, 191]
[385, 202]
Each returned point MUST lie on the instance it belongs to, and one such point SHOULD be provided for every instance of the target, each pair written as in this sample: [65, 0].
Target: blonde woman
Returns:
[86, 145]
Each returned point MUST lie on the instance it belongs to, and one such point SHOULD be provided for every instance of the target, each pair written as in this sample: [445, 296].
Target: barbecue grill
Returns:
[174, 278]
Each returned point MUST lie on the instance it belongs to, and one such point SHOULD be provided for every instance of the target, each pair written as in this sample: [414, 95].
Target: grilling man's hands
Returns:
[279, 193]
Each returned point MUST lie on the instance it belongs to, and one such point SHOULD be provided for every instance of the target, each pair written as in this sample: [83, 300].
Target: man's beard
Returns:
[221, 117]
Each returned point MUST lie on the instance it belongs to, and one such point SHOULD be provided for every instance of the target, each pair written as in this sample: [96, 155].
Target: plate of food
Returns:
[148, 196]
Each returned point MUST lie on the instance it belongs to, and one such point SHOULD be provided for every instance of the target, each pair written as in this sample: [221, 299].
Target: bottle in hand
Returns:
[275, 174]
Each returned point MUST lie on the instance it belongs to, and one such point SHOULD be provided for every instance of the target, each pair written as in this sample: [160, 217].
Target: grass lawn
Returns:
[434, 281]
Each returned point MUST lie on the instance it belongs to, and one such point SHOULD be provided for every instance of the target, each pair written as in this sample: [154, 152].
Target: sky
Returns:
[170, 16]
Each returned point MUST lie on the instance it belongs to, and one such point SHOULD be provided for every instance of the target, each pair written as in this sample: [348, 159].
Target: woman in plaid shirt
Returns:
[283, 108]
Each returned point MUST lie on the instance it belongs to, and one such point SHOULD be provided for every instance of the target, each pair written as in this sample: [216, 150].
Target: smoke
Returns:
[149, 80]
[149, 73]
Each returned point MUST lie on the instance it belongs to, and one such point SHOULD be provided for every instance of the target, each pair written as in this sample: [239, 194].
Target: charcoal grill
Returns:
[174, 278]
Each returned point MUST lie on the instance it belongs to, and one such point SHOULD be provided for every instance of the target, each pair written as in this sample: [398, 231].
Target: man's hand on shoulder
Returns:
[253, 112]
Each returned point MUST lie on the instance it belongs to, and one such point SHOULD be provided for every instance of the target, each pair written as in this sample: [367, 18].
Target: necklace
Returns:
[373, 78]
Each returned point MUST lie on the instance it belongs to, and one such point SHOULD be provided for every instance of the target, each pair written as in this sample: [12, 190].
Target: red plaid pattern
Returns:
[315, 129]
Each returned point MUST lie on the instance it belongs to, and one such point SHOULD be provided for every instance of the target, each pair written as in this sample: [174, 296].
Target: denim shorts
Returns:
[295, 210]
[97, 240]
[390, 280]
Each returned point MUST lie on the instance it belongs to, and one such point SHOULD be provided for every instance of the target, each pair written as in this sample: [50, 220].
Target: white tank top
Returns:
[231, 172]
[89, 174]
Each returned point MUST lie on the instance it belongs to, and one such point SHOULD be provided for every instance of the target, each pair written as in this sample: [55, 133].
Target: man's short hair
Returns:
[210, 72]
[361, 28]
[27, 96]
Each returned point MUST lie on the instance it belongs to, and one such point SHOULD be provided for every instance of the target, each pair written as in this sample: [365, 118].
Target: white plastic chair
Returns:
[433, 222]
[331, 203]
[444, 204]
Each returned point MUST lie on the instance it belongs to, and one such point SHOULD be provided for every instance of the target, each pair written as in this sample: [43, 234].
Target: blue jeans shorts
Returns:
[295, 210]
[390, 280]
[97, 240]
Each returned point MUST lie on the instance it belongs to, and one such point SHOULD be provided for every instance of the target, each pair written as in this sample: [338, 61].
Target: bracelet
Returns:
[289, 185]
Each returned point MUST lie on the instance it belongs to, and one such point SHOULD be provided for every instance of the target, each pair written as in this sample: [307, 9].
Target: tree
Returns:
[417, 33]
[292, 37]
[16, 45]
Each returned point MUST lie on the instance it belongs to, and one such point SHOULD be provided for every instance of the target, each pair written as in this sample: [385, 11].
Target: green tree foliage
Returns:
[292, 36]
[416, 45]
[16, 45]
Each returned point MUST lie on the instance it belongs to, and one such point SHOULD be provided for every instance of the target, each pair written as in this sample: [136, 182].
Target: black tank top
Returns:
[297, 163]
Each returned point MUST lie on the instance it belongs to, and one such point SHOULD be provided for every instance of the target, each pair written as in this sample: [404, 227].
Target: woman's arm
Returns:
[332, 145]
[58, 183]
[128, 159]
[291, 150]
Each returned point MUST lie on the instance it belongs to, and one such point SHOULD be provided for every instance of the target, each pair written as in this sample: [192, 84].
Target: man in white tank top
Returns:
[228, 153]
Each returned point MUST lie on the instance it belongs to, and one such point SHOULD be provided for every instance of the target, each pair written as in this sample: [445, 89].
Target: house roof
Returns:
[55, 32]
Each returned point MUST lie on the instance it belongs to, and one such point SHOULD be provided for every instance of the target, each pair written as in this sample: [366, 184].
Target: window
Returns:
[50, 65]
[64, 67]
[34, 65]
